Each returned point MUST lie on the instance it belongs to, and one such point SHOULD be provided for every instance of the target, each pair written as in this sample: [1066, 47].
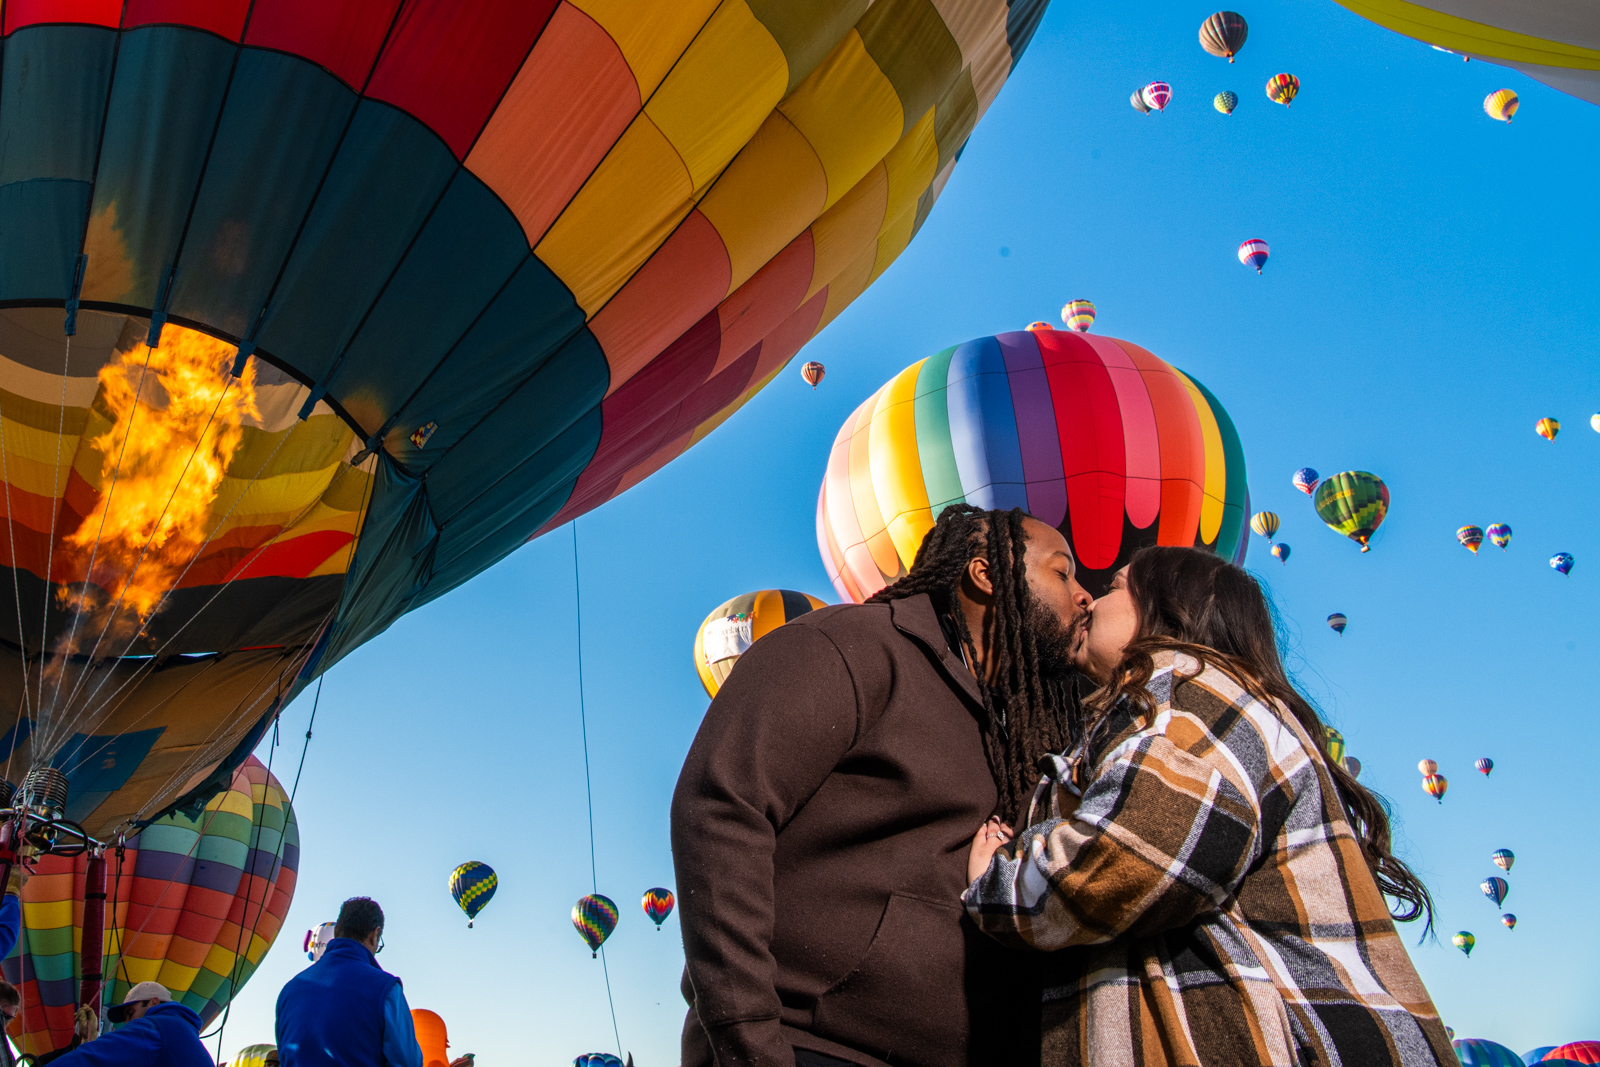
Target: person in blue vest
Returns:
[344, 1010]
[156, 1031]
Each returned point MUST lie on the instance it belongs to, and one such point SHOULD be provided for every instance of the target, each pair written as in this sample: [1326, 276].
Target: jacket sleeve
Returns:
[780, 724]
[133, 1045]
[10, 923]
[400, 1048]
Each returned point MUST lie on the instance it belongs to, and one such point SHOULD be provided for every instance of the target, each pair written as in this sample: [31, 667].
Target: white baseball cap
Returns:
[138, 994]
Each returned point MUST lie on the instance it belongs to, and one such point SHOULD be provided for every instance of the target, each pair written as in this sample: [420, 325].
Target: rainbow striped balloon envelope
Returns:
[1095, 436]
[594, 917]
[194, 903]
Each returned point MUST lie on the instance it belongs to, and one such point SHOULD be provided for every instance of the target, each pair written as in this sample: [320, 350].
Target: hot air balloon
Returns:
[1353, 766]
[1282, 89]
[1035, 327]
[1577, 1052]
[1305, 479]
[200, 900]
[1464, 941]
[1495, 889]
[594, 917]
[1547, 428]
[448, 277]
[316, 942]
[1264, 523]
[1139, 102]
[1509, 921]
[1500, 535]
[1503, 858]
[1223, 34]
[1501, 105]
[1470, 537]
[1225, 101]
[1473, 1052]
[1353, 503]
[1594, 422]
[1530, 1058]
[813, 373]
[1335, 742]
[1434, 785]
[252, 1056]
[432, 1037]
[657, 904]
[1280, 552]
[734, 625]
[1253, 253]
[1562, 561]
[1157, 95]
[1078, 315]
[1484, 766]
[1092, 435]
[597, 1059]
[1338, 621]
[472, 886]
[1427, 767]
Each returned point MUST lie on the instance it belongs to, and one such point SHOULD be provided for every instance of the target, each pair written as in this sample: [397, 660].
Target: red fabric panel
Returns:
[1093, 457]
[341, 35]
[21, 13]
[448, 63]
[225, 18]
[1183, 449]
[758, 306]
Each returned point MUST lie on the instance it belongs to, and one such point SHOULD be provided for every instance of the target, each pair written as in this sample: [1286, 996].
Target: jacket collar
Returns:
[914, 616]
[351, 949]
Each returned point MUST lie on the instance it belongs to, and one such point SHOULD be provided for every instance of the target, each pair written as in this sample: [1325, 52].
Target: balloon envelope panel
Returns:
[737, 624]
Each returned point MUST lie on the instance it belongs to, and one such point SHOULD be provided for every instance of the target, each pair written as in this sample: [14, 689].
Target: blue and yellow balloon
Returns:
[472, 885]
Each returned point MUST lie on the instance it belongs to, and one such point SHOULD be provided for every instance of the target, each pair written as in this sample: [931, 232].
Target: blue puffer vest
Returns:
[331, 1013]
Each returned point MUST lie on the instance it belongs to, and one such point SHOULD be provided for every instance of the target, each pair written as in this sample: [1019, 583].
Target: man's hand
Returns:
[86, 1024]
[985, 843]
[463, 1061]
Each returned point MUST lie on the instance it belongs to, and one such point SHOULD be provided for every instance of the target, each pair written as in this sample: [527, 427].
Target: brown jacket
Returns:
[820, 831]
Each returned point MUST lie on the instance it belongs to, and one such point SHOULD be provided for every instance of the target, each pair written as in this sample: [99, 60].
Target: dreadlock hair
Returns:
[1194, 602]
[1028, 713]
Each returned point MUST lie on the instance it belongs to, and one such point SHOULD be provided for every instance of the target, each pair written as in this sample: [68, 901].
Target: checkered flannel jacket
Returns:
[1205, 898]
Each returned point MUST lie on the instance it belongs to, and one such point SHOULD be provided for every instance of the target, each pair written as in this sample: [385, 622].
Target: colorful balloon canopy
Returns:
[597, 1059]
[1427, 767]
[1352, 765]
[1223, 34]
[1139, 103]
[1253, 253]
[1475, 1052]
[252, 1056]
[1095, 436]
[1547, 428]
[1264, 523]
[1035, 327]
[1463, 941]
[1577, 1052]
[1435, 785]
[1495, 889]
[1562, 561]
[1078, 315]
[1225, 101]
[1305, 479]
[1594, 422]
[433, 1037]
[1501, 105]
[1338, 621]
[198, 901]
[657, 904]
[1282, 89]
[1353, 503]
[1470, 537]
[316, 942]
[1336, 743]
[1157, 95]
[813, 373]
[594, 917]
[1280, 552]
[1509, 921]
[472, 886]
[734, 625]
[1503, 858]
[494, 263]
[1484, 765]
[1500, 535]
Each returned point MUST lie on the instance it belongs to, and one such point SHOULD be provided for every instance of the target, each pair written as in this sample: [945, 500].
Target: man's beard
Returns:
[1053, 639]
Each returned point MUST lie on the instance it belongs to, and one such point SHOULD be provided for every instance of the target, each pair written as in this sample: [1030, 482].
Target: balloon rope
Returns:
[16, 593]
[588, 785]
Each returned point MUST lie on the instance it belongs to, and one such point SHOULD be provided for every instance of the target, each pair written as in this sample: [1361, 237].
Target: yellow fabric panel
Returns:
[849, 284]
[293, 491]
[32, 447]
[895, 466]
[45, 414]
[140, 969]
[44, 388]
[174, 976]
[1215, 486]
[849, 112]
[47, 915]
[896, 235]
[220, 960]
[631, 203]
[848, 229]
[719, 93]
[766, 614]
[911, 165]
[651, 36]
[979, 27]
[1465, 35]
[336, 563]
[770, 193]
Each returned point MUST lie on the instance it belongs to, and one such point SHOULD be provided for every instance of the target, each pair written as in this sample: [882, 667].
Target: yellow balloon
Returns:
[739, 623]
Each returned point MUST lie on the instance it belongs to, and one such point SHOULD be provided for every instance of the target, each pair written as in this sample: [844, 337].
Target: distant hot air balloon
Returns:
[1484, 765]
[1464, 941]
[317, 941]
[1353, 503]
[735, 625]
[472, 885]
[1280, 552]
[1509, 921]
[1503, 858]
[1338, 621]
[813, 373]
[1078, 315]
[1562, 561]
[1282, 88]
[1305, 479]
[1253, 253]
[1223, 34]
[1336, 743]
[597, 1059]
[252, 1056]
[1352, 765]
[657, 904]
[1264, 523]
[432, 1037]
[1225, 102]
[1501, 105]
[1495, 889]
[1435, 785]
[594, 917]
[1035, 327]
[1547, 428]
[1500, 534]
[1475, 1052]
[1139, 102]
[1427, 767]
[1470, 537]
[1577, 1052]
[1157, 95]
[1594, 422]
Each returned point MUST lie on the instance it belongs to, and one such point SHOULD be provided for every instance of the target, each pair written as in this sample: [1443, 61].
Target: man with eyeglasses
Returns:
[344, 1010]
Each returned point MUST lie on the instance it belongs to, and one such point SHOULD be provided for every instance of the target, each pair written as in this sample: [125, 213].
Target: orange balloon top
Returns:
[431, 1036]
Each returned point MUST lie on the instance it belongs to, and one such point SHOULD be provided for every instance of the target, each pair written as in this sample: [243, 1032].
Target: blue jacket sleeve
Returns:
[10, 923]
[137, 1044]
[400, 1048]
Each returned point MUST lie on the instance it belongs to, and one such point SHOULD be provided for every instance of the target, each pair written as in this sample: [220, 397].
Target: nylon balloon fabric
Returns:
[1353, 503]
[1097, 437]
[1476, 1052]
[735, 625]
[198, 902]
[594, 917]
[472, 886]
[1223, 34]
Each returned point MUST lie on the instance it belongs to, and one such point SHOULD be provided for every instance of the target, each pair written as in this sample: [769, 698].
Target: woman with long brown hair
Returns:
[1212, 884]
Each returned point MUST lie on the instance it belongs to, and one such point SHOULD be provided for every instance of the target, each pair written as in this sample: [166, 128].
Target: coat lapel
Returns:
[914, 616]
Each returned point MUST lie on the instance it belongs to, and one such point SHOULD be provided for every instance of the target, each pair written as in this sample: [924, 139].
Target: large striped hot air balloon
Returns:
[1501, 105]
[1095, 436]
[447, 274]
[1078, 315]
[1223, 34]
[1253, 253]
[1283, 88]
[194, 903]
[1576, 1051]
[1353, 503]
[734, 625]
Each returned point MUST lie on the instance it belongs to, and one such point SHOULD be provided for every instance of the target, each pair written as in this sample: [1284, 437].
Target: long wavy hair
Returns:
[1194, 602]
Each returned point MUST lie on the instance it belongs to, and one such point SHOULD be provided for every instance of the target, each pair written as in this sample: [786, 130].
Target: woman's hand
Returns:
[985, 843]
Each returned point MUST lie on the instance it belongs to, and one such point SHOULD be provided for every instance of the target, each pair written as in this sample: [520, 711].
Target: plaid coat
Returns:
[1211, 900]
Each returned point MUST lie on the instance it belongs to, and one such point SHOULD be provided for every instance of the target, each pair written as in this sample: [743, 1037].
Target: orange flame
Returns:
[177, 416]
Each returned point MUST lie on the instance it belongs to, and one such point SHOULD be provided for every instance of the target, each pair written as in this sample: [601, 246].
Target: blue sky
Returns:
[1432, 292]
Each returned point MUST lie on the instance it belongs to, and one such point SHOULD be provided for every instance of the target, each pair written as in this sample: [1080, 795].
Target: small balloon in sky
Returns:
[1495, 889]
[1280, 552]
[1547, 428]
[1509, 921]
[1253, 253]
[1470, 537]
[1434, 785]
[813, 373]
[1464, 941]
[1352, 765]
[1264, 523]
[1503, 858]
[1484, 766]
[1338, 621]
[1157, 95]
[1225, 101]
[1035, 327]
[1078, 315]
[1594, 423]
[594, 917]
[1223, 34]
[1283, 88]
[1138, 101]
[1353, 503]
[1305, 479]
[1500, 534]
[1562, 561]
[657, 904]
[1500, 105]
[1427, 767]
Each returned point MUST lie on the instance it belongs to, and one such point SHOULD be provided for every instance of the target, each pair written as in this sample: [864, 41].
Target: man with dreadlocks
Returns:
[821, 823]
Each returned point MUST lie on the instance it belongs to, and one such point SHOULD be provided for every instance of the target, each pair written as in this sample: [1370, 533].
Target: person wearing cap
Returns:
[344, 1010]
[153, 1031]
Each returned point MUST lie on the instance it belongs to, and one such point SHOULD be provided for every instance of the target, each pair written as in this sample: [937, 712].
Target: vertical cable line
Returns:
[50, 545]
[16, 585]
